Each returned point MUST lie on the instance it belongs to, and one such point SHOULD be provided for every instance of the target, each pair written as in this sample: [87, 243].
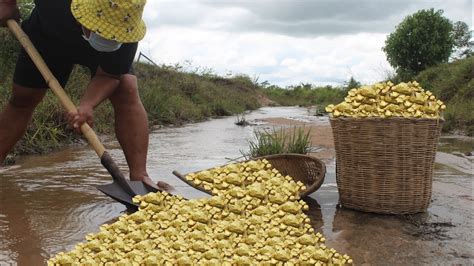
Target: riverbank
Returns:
[169, 95]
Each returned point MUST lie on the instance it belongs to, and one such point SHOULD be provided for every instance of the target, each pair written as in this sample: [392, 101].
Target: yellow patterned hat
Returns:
[118, 20]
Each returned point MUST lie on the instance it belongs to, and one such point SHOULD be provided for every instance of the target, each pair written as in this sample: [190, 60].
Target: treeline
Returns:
[452, 82]
[305, 95]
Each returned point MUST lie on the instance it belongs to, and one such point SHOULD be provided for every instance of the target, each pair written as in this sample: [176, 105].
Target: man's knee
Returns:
[128, 85]
[127, 91]
[26, 98]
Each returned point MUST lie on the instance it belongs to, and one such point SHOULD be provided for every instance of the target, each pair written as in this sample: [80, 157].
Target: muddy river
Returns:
[49, 203]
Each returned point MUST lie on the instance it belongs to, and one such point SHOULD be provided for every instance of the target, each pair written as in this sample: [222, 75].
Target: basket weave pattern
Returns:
[307, 169]
[385, 165]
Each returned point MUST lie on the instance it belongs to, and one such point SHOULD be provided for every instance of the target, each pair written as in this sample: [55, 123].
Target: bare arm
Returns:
[101, 87]
[8, 10]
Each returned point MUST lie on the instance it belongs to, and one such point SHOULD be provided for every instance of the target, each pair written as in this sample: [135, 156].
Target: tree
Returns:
[421, 40]
[463, 43]
[351, 84]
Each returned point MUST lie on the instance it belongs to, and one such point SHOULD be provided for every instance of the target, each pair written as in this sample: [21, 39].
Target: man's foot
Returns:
[160, 185]
[165, 186]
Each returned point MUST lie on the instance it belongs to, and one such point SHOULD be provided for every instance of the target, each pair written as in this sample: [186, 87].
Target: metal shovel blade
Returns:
[115, 191]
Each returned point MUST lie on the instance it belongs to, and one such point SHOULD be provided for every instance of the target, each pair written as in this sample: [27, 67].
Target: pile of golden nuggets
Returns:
[385, 100]
[255, 217]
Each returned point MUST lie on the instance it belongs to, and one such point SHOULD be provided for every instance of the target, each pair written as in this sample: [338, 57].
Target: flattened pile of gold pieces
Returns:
[383, 100]
[254, 218]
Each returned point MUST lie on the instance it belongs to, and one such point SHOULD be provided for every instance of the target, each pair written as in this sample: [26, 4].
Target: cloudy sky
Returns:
[285, 42]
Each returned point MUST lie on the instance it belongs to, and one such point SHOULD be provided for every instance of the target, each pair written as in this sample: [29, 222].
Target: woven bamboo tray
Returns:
[385, 165]
[307, 169]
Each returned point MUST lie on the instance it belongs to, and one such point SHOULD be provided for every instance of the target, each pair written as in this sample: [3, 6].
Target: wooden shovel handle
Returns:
[53, 83]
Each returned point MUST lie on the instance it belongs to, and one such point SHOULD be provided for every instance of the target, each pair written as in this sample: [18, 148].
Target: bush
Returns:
[453, 83]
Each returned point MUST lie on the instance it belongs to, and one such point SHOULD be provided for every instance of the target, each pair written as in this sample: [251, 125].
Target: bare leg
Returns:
[15, 117]
[131, 128]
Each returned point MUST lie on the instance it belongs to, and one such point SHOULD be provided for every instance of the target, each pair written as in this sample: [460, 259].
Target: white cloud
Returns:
[282, 43]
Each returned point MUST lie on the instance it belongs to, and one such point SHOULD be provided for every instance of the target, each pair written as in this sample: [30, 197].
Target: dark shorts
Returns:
[60, 58]
[27, 74]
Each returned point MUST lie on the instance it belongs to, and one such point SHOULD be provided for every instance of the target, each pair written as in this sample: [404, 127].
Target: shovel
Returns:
[121, 189]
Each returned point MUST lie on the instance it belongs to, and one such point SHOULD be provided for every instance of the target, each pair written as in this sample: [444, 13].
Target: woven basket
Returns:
[385, 165]
[307, 169]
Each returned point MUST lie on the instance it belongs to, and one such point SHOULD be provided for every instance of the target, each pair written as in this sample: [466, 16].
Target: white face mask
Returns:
[101, 44]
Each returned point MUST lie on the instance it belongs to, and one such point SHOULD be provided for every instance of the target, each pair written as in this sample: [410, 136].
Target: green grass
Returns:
[298, 141]
[266, 142]
[240, 120]
[453, 83]
[171, 96]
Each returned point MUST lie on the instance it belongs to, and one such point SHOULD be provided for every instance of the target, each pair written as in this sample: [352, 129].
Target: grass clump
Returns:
[299, 141]
[240, 120]
[269, 142]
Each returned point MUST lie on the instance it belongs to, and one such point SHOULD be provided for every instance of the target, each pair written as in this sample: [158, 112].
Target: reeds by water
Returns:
[277, 141]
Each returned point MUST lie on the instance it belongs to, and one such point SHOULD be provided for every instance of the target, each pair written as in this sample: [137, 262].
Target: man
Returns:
[102, 35]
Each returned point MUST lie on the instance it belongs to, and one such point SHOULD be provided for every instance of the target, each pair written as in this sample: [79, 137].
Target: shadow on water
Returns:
[48, 205]
[16, 230]
[314, 213]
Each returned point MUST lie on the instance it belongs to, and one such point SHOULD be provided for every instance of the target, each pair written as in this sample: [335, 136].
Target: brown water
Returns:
[50, 203]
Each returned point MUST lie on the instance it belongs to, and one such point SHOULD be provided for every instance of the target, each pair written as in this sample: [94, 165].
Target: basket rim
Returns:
[310, 189]
[315, 185]
[374, 118]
